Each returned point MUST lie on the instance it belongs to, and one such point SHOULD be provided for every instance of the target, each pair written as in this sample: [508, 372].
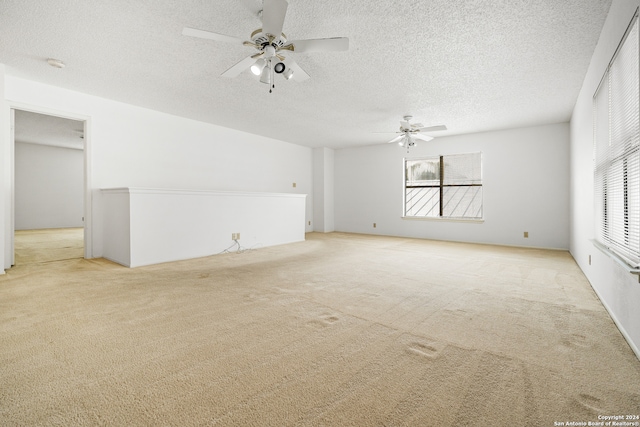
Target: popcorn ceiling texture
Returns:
[472, 65]
[339, 330]
[33, 128]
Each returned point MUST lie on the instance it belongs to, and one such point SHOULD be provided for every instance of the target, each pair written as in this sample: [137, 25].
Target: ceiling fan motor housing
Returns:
[261, 39]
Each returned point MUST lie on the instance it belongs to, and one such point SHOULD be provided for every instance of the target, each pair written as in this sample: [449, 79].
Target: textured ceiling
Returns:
[472, 65]
[34, 128]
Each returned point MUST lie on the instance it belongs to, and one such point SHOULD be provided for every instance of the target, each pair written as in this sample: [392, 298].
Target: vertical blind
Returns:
[617, 152]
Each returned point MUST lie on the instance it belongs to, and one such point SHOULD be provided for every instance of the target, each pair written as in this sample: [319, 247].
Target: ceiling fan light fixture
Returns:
[265, 76]
[279, 68]
[258, 66]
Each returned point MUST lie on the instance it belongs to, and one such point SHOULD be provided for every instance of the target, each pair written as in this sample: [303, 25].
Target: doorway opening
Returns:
[50, 205]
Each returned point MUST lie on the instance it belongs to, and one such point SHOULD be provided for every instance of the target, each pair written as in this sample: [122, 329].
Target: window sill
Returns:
[617, 258]
[425, 218]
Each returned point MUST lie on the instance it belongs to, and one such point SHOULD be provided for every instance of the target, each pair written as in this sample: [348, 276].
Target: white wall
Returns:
[136, 147]
[150, 226]
[526, 188]
[48, 187]
[618, 290]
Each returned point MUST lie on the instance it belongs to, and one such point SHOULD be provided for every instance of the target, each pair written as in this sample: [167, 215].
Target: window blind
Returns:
[617, 152]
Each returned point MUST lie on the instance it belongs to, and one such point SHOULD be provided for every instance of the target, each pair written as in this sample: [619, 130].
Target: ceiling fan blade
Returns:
[417, 125]
[396, 139]
[273, 14]
[253, 6]
[239, 67]
[422, 137]
[432, 128]
[193, 32]
[334, 44]
[298, 73]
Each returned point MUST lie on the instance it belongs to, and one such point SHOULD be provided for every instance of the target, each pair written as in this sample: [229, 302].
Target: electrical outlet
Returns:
[374, 225]
[526, 234]
[589, 259]
[294, 185]
[235, 236]
[309, 222]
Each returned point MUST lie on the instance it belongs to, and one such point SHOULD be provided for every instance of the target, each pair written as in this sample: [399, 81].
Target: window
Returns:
[617, 152]
[444, 187]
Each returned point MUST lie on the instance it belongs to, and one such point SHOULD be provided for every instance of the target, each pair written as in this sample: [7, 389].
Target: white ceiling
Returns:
[474, 65]
[34, 128]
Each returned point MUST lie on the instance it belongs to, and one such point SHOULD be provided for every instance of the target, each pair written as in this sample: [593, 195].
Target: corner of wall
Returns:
[323, 169]
[5, 124]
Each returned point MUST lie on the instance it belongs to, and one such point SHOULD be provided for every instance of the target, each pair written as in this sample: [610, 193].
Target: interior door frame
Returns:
[88, 213]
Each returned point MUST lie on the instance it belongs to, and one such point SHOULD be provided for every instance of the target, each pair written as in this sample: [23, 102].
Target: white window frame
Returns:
[445, 191]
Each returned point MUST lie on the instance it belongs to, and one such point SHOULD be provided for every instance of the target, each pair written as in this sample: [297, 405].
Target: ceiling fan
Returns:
[271, 45]
[409, 132]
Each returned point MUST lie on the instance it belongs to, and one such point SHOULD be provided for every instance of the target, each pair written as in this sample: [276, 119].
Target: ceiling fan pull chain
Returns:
[273, 80]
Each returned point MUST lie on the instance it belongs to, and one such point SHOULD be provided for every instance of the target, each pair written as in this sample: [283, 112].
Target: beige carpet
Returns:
[339, 330]
[37, 246]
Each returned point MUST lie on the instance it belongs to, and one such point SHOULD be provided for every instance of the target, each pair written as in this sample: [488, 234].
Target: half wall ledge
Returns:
[144, 226]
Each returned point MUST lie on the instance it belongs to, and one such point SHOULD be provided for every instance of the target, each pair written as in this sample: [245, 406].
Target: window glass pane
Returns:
[459, 189]
[462, 169]
[462, 202]
[423, 202]
[423, 172]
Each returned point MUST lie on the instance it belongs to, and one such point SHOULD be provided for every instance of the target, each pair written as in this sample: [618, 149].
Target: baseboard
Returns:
[626, 336]
[506, 245]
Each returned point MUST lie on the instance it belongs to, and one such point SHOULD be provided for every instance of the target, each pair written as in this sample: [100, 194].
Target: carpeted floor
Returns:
[339, 330]
[49, 245]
